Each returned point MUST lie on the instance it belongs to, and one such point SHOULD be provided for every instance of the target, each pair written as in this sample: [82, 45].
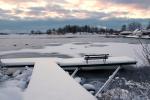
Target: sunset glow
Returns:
[72, 8]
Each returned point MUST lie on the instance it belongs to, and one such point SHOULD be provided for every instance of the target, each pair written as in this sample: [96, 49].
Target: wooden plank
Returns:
[50, 82]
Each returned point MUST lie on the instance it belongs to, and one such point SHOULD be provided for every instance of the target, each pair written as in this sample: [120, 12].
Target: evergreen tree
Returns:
[134, 25]
[49, 31]
[32, 32]
[123, 28]
[75, 28]
[148, 27]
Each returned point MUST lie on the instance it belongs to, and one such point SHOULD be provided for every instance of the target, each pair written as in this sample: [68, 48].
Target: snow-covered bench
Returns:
[93, 57]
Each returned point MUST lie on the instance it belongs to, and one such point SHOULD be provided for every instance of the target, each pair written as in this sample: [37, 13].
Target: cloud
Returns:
[138, 3]
[60, 12]
[4, 11]
[80, 9]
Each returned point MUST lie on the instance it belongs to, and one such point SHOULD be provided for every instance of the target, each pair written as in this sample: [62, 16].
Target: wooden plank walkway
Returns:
[50, 82]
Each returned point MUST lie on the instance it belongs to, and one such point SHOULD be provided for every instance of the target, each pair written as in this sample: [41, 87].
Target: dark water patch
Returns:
[81, 43]
[36, 47]
[72, 48]
[95, 74]
[136, 74]
[54, 44]
[97, 45]
[95, 77]
[33, 54]
[82, 54]
[71, 37]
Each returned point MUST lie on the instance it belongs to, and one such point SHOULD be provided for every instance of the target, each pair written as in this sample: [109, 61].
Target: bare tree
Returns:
[148, 26]
[145, 51]
[134, 25]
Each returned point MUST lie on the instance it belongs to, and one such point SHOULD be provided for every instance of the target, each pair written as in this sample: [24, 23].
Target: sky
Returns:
[25, 15]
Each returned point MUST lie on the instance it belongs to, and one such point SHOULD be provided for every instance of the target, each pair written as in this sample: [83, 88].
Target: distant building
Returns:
[137, 32]
[146, 32]
[126, 33]
[141, 32]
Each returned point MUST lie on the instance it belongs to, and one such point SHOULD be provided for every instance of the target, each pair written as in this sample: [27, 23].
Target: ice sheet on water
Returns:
[78, 79]
[89, 87]
[73, 50]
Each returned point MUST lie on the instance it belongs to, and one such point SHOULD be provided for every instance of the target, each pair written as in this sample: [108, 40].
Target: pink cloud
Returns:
[67, 8]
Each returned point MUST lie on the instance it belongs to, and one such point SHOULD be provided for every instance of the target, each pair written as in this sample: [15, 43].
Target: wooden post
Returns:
[1, 64]
[107, 82]
[1, 67]
[75, 71]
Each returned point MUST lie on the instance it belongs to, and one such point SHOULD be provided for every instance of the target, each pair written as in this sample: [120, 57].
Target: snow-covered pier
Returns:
[72, 63]
[49, 81]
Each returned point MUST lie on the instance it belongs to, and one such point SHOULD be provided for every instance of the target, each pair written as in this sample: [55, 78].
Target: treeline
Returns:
[3, 33]
[91, 29]
[133, 26]
[76, 29]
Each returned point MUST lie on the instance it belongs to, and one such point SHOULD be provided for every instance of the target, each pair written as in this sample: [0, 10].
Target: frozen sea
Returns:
[69, 46]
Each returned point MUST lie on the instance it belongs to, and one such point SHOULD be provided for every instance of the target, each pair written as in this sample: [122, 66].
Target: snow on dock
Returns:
[110, 63]
[50, 82]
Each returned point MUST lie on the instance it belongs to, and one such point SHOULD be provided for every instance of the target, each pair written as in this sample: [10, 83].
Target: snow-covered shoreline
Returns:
[73, 47]
[120, 88]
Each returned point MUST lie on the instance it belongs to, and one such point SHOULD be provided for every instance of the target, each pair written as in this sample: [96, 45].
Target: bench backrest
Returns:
[101, 56]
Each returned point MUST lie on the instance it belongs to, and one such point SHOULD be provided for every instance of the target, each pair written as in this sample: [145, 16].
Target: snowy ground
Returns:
[126, 85]
[12, 86]
[121, 88]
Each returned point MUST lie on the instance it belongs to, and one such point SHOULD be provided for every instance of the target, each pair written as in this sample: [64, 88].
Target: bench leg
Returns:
[104, 60]
[87, 61]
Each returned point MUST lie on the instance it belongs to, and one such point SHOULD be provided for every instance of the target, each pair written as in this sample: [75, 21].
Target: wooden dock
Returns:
[50, 82]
